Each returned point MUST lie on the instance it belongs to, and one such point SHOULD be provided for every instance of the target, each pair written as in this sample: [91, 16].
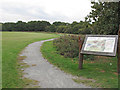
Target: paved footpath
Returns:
[41, 70]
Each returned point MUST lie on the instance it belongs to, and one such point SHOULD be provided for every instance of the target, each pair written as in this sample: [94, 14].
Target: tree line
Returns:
[60, 27]
[103, 19]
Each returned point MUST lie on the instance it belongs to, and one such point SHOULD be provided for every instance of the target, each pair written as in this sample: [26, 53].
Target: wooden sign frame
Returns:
[100, 53]
[116, 49]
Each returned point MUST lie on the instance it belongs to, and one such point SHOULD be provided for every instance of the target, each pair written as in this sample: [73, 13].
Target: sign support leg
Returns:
[80, 55]
[119, 51]
[80, 61]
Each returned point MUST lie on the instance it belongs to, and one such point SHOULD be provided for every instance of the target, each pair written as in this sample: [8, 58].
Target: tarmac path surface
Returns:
[45, 73]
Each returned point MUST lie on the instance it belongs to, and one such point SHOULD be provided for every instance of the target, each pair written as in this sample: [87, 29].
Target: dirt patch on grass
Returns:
[30, 83]
[116, 73]
[86, 81]
[102, 71]
[21, 64]
[21, 58]
[33, 64]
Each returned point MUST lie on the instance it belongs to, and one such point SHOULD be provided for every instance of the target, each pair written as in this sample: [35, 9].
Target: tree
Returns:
[51, 28]
[8, 27]
[104, 17]
[68, 29]
[20, 26]
[60, 23]
[61, 29]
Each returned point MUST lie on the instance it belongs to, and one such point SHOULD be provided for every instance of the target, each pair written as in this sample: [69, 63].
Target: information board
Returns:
[100, 45]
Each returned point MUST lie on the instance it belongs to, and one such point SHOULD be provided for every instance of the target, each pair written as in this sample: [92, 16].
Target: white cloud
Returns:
[50, 10]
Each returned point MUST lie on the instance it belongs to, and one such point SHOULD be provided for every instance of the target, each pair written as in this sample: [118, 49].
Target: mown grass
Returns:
[103, 70]
[12, 45]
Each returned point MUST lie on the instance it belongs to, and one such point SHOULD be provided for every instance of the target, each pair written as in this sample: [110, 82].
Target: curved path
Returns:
[48, 75]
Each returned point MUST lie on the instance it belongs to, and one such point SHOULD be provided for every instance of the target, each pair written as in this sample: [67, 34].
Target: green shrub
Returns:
[68, 46]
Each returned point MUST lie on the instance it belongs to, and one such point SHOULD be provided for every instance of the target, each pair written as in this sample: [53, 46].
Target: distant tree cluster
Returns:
[103, 19]
[60, 27]
[23, 26]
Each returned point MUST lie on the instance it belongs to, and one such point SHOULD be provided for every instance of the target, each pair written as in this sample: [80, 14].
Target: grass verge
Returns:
[12, 45]
[102, 71]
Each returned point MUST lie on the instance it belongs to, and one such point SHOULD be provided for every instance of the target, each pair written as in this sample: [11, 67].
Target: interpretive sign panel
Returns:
[100, 45]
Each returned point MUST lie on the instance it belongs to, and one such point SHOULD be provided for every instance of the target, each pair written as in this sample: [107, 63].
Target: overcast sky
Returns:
[49, 10]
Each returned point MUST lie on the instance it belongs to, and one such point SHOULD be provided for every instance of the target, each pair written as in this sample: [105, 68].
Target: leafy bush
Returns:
[68, 46]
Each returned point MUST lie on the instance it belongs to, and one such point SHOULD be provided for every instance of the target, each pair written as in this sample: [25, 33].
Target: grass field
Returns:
[12, 44]
[101, 72]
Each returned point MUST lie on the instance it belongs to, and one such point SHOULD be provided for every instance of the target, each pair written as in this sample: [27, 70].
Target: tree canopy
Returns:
[104, 17]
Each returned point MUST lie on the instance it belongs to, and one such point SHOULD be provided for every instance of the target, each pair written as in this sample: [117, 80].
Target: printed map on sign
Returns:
[100, 44]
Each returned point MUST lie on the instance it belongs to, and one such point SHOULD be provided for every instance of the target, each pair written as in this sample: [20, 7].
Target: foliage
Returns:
[51, 28]
[104, 17]
[67, 45]
[60, 23]
[60, 27]
[23, 26]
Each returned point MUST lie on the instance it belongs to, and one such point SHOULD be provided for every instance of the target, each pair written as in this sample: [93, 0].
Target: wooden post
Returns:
[80, 55]
[119, 51]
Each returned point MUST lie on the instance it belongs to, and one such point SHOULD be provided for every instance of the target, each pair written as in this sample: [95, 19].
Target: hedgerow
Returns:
[68, 46]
